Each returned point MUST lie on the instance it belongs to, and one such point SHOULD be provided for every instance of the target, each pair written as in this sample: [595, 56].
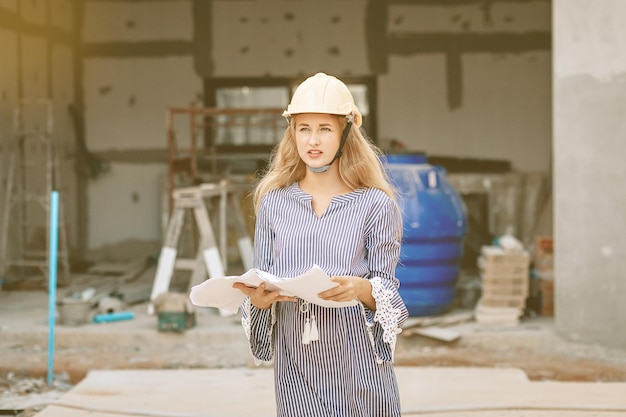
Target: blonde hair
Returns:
[360, 164]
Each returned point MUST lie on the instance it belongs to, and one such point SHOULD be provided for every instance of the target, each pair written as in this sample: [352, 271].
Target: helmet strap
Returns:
[344, 136]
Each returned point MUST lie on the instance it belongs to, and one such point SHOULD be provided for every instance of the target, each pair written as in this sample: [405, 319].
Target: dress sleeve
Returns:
[383, 240]
[258, 323]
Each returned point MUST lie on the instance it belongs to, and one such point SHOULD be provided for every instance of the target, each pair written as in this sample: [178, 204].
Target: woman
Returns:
[326, 200]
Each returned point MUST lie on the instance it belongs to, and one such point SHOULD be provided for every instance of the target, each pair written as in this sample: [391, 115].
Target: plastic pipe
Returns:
[52, 276]
[121, 315]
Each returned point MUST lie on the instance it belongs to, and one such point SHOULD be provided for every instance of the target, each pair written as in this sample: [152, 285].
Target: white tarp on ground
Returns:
[242, 392]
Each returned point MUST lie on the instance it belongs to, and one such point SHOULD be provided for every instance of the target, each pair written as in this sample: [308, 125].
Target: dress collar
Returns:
[339, 199]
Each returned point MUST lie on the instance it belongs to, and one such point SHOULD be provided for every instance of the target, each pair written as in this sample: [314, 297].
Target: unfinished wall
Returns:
[285, 38]
[138, 62]
[469, 80]
[37, 49]
[589, 171]
[8, 96]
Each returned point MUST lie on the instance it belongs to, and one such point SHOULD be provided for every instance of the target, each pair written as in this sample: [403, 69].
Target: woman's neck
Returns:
[328, 183]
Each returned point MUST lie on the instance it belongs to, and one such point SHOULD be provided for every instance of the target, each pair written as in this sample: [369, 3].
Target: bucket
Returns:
[435, 224]
[73, 311]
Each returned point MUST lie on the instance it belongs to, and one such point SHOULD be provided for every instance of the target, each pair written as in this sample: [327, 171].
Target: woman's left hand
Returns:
[350, 288]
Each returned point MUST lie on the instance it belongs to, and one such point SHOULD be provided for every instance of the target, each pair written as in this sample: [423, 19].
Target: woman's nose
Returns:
[314, 138]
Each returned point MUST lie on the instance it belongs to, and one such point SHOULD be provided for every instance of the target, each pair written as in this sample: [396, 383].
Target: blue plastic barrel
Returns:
[435, 224]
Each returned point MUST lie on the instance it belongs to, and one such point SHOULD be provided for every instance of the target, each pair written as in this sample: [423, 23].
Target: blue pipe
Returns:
[121, 315]
[52, 285]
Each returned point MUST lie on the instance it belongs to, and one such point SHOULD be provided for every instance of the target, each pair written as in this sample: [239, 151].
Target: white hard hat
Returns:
[322, 93]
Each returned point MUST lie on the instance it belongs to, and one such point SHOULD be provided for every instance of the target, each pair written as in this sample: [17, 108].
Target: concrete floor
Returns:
[211, 373]
[437, 392]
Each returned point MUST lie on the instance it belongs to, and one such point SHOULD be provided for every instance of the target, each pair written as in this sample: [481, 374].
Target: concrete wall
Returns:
[467, 79]
[589, 169]
[450, 83]
[287, 38]
[138, 63]
[37, 61]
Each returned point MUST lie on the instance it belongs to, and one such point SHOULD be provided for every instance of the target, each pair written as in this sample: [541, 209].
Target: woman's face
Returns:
[317, 138]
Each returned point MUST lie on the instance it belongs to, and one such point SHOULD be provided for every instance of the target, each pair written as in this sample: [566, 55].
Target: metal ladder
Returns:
[29, 184]
[208, 249]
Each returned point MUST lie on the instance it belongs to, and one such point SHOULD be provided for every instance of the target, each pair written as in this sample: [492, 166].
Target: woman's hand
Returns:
[259, 297]
[350, 288]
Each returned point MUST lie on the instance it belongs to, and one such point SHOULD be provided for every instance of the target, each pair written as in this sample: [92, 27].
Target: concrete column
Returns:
[589, 105]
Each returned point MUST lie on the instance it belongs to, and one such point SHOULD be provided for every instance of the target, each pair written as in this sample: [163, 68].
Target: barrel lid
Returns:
[406, 157]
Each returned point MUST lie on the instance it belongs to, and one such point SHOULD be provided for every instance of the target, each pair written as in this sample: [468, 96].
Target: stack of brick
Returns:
[505, 284]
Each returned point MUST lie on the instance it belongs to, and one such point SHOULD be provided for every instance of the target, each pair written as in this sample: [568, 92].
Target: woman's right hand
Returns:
[260, 297]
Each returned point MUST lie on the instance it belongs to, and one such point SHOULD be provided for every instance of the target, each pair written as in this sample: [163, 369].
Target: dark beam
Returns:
[444, 3]
[131, 1]
[416, 43]
[203, 37]
[137, 49]
[376, 35]
[454, 77]
[13, 21]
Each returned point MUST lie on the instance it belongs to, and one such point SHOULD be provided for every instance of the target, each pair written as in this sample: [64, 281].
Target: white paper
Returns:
[219, 292]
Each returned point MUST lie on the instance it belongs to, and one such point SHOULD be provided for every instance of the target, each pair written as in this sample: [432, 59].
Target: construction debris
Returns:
[25, 397]
[439, 333]
[433, 326]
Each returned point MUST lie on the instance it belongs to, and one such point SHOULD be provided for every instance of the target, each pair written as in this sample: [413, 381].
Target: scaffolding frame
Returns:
[203, 122]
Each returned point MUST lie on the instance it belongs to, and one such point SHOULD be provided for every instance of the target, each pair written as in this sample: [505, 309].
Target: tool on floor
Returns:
[208, 257]
[34, 171]
[175, 312]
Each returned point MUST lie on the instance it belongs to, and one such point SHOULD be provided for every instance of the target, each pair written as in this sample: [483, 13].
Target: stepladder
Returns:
[190, 218]
[33, 172]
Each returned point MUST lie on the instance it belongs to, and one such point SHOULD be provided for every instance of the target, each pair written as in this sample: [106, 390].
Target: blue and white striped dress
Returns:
[348, 372]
